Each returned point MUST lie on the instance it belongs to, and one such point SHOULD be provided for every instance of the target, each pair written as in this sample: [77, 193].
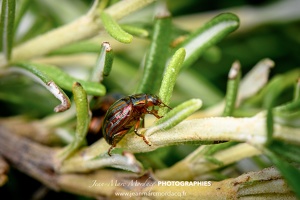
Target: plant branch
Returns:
[196, 163]
[251, 130]
[29, 157]
[37, 161]
[38, 131]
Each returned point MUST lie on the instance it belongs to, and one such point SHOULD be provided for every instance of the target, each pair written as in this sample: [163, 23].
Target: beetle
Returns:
[99, 107]
[126, 113]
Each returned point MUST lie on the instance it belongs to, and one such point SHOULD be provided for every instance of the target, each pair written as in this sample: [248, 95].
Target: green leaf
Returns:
[208, 35]
[7, 27]
[274, 88]
[291, 173]
[157, 57]
[285, 150]
[16, 94]
[104, 63]
[82, 112]
[289, 113]
[212, 149]
[213, 160]
[136, 31]
[177, 115]
[47, 82]
[114, 29]
[83, 121]
[170, 77]
[23, 7]
[232, 88]
[61, 78]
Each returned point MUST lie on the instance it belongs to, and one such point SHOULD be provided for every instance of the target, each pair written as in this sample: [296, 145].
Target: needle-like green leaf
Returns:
[290, 173]
[176, 115]
[83, 121]
[157, 56]
[208, 35]
[170, 77]
[24, 5]
[7, 27]
[47, 82]
[62, 79]
[103, 64]
[114, 29]
[232, 88]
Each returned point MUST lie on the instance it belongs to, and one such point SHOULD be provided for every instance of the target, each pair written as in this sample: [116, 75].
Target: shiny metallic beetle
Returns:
[126, 113]
[99, 107]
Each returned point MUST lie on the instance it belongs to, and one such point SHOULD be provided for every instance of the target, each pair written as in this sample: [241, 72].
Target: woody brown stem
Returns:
[29, 157]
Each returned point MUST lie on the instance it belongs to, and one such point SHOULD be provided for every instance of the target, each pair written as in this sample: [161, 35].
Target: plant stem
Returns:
[251, 130]
[37, 160]
[194, 166]
[29, 157]
[82, 28]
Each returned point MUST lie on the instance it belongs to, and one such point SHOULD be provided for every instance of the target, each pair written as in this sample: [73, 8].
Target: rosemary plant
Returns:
[197, 147]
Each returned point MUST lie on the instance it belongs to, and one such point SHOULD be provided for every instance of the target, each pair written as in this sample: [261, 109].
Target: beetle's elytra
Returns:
[126, 113]
[99, 108]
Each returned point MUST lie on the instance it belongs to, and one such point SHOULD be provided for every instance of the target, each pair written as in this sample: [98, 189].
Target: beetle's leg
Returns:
[136, 126]
[110, 149]
[154, 112]
[116, 138]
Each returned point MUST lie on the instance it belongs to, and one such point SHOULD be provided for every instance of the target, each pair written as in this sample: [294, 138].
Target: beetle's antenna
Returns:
[165, 105]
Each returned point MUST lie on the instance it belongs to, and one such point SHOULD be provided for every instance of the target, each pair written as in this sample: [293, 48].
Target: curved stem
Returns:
[251, 130]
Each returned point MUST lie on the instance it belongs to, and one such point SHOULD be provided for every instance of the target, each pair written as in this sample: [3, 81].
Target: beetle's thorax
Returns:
[145, 100]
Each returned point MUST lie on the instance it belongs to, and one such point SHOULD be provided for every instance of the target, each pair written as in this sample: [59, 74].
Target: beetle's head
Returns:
[154, 100]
